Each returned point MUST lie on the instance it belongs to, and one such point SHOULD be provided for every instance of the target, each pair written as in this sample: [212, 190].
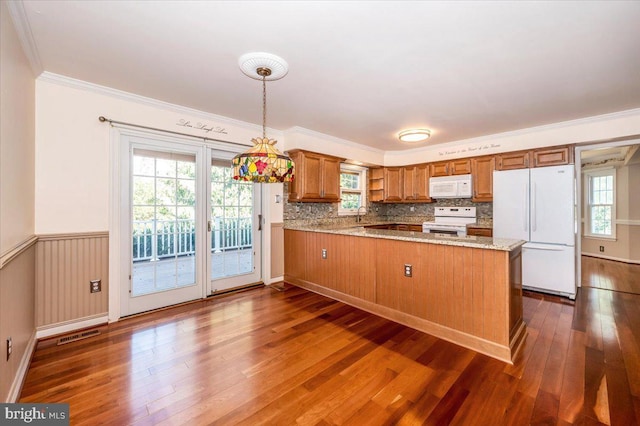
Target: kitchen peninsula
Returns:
[466, 290]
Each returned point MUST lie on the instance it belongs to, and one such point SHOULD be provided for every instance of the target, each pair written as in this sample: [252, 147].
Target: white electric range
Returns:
[451, 220]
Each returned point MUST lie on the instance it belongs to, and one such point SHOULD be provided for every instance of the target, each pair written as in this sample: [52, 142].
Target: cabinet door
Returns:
[556, 156]
[421, 182]
[460, 167]
[482, 171]
[295, 252]
[408, 185]
[440, 169]
[512, 160]
[331, 179]
[393, 184]
[311, 185]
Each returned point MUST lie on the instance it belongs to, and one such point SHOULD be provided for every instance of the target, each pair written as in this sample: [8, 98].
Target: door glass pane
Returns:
[163, 223]
[231, 219]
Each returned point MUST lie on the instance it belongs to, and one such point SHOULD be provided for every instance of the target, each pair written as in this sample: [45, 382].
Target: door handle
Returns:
[259, 222]
[208, 226]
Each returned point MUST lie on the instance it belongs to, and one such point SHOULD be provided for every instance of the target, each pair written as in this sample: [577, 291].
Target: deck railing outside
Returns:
[157, 239]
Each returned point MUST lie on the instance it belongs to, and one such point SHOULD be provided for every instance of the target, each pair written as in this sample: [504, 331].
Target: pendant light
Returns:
[263, 162]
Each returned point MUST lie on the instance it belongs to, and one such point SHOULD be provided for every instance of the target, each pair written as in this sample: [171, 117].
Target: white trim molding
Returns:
[13, 252]
[25, 35]
[628, 222]
[18, 380]
[45, 331]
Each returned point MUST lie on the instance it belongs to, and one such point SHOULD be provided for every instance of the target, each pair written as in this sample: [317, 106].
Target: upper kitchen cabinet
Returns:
[482, 171]
[416, 183]
[317, 177]
[376, 184]
[553, 156]
[393, 183]
[512, 160]
[454, 167]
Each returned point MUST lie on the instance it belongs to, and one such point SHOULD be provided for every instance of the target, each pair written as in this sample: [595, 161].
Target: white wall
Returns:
[72, 147]
[17, 267]
[17, 130]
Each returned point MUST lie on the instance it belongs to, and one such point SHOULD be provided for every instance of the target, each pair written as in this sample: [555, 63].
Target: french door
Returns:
[191, 229]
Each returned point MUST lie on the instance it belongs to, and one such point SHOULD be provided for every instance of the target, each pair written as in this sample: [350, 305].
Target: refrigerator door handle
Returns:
[545, 247]
[525, 207]
[534, 224]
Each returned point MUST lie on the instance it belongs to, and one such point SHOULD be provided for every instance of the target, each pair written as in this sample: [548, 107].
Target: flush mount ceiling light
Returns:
[263, 162]
[414, 135]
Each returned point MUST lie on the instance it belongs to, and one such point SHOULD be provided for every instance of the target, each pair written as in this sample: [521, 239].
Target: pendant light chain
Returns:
[264, 108]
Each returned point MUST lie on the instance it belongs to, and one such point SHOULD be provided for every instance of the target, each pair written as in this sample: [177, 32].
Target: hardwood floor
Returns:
[294, 357]
[610, 275]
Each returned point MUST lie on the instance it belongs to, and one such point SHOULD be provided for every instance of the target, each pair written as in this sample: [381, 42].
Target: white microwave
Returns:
[450, 187]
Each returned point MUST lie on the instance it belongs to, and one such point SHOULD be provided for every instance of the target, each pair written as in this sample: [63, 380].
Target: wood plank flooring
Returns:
[610, 275]
[294, 357]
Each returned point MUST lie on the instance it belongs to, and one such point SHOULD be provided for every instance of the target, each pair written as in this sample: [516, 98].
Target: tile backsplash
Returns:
[401, 212]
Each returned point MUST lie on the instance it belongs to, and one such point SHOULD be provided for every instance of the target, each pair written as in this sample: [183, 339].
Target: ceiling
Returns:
[360, 71]
[615, 156]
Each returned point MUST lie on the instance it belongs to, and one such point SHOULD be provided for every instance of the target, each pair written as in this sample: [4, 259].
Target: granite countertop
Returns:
[359, 230]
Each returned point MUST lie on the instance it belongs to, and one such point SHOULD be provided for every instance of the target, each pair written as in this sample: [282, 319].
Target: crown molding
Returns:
[143, 100]
[313, 133]
[25, 35]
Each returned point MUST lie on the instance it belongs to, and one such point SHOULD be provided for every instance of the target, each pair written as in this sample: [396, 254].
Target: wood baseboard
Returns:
[617, 259]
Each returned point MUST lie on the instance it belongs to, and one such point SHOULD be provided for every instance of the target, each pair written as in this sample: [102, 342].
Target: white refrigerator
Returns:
[538, 205]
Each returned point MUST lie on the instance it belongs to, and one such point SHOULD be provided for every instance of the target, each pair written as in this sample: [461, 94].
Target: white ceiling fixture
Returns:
[414, 135]
[363, 68]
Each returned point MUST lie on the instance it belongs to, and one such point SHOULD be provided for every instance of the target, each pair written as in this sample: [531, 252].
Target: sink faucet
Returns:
[358, 218]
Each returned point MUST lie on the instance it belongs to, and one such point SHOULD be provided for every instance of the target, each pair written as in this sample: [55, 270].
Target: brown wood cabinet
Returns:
[416, 183]
[317, 177]
[554, 156]
[393, 183]
[479, 232]
[460, 166]
[541, 157]
[512, 160]
[400, 184]
[376, 184]
[482, 171]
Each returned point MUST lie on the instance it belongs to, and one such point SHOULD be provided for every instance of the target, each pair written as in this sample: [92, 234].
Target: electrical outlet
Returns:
[408, 270]
[602, 248]
[95, 286]
[324, 253]
[9, 347]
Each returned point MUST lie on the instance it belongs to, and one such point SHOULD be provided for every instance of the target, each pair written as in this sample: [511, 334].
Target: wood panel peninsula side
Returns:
[464, 290]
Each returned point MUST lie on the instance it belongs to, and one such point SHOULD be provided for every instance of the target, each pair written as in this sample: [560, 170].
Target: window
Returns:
[600, 203]
[353, 189]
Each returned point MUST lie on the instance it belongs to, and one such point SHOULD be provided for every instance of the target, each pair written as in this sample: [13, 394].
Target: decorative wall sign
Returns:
[207, 128]
[470, 150]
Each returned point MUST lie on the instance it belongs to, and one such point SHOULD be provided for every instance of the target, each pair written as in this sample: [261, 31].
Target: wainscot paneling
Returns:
[65, 265]
[17, 287]
[277, 250]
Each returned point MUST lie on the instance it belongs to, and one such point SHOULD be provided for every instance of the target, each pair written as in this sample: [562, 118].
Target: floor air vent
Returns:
[78, 336]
